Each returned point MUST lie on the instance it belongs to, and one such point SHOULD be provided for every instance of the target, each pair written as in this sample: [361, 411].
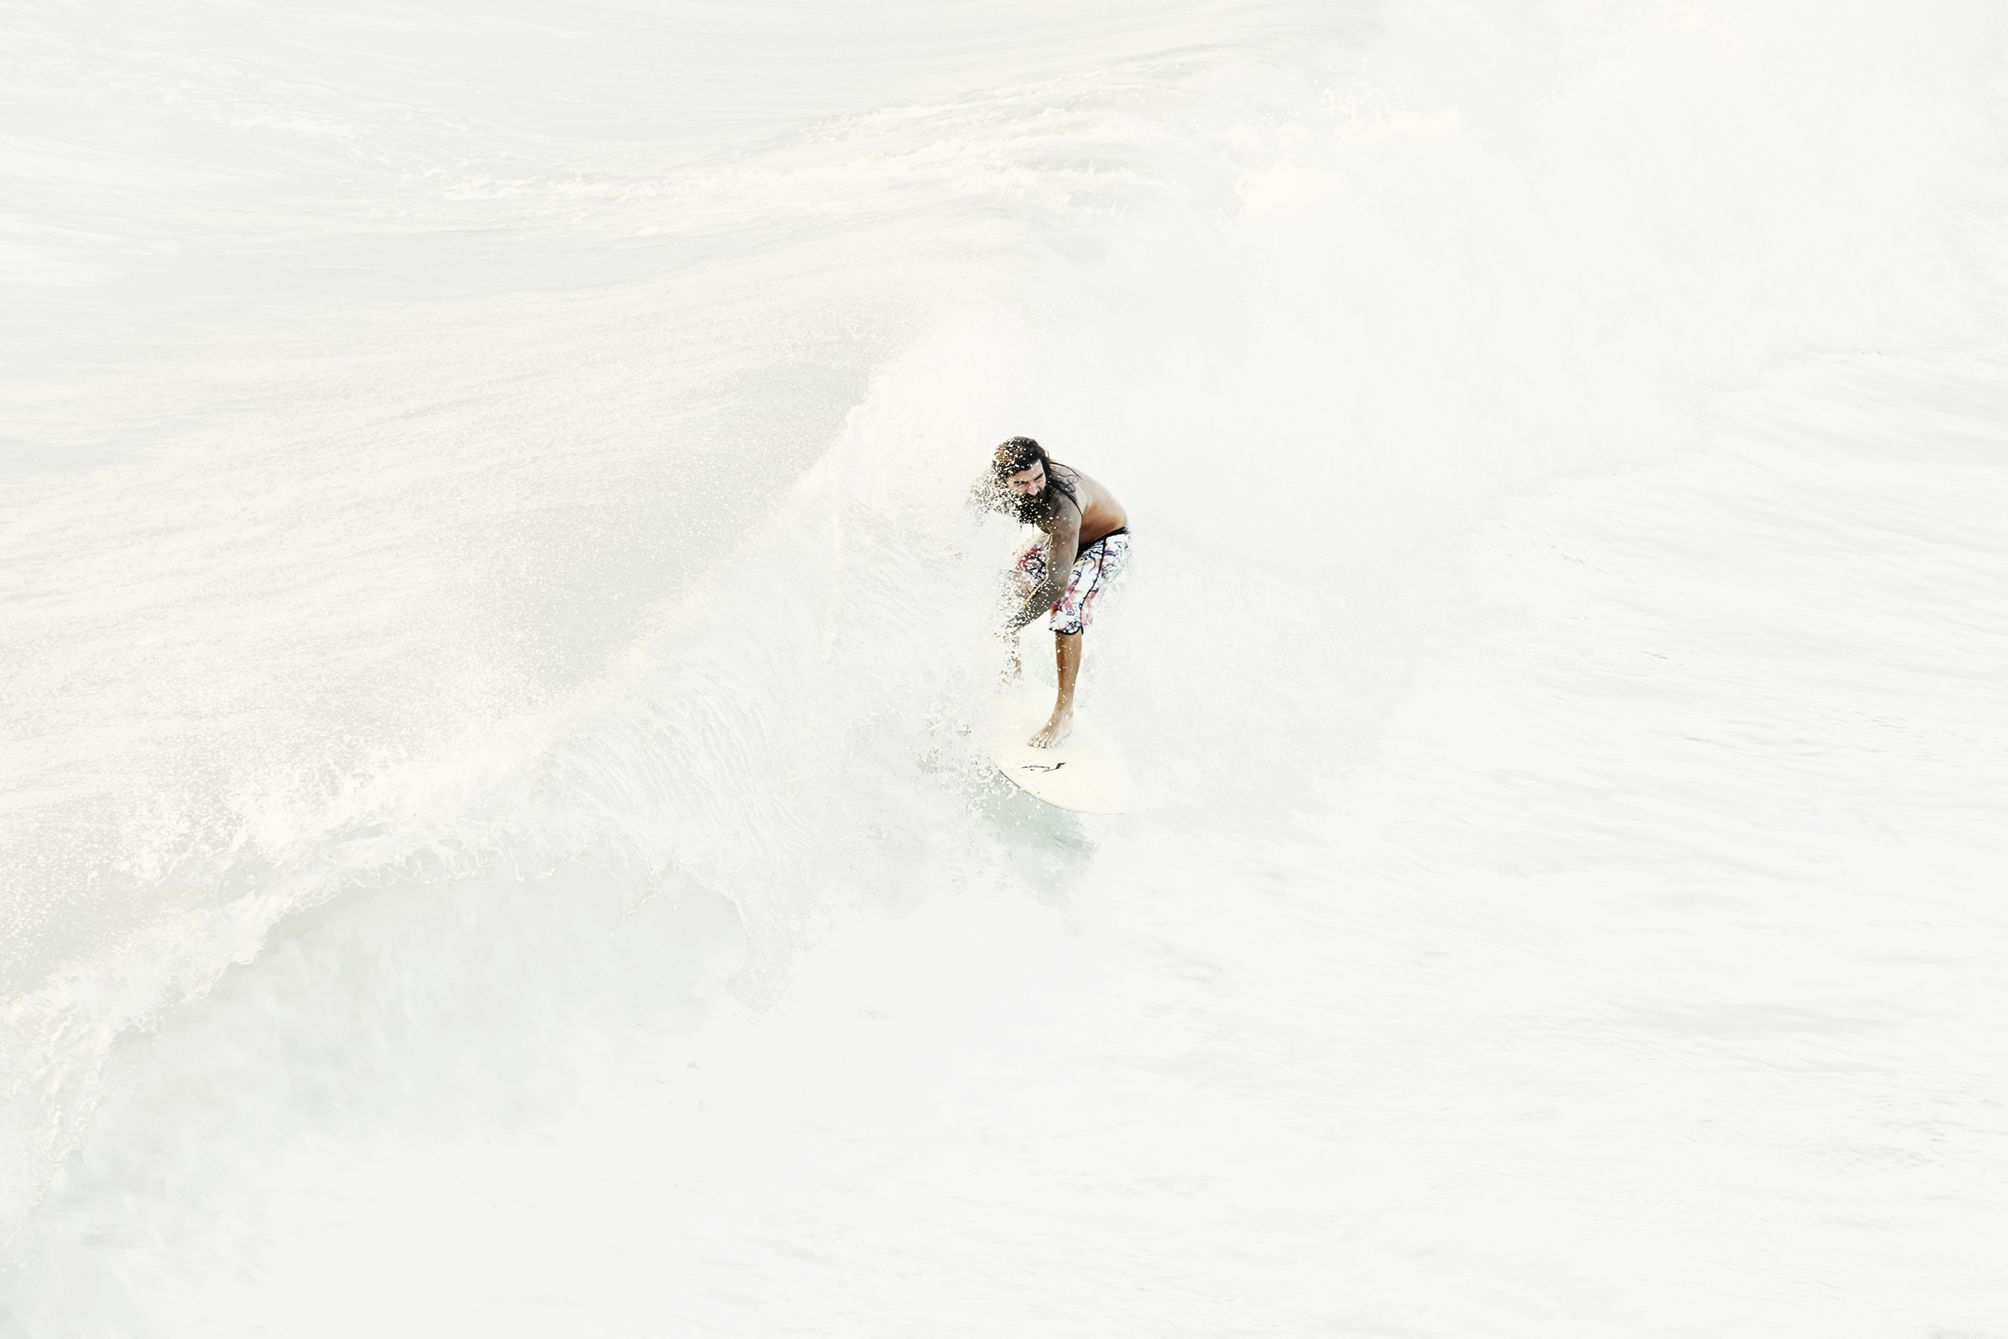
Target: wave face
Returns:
[483, 539]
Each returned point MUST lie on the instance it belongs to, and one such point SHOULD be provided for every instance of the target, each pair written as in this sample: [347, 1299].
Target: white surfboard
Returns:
[1082, 772]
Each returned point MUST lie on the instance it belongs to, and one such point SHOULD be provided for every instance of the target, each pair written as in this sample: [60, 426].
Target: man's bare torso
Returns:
[1101, 514]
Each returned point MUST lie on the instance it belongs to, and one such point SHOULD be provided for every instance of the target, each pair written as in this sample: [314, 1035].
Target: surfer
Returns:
[1085, 546]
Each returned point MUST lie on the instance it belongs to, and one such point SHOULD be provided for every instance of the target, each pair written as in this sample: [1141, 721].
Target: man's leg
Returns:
[1067, 667]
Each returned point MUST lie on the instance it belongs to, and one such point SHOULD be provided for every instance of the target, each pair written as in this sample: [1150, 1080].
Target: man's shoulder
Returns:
[1066, 518]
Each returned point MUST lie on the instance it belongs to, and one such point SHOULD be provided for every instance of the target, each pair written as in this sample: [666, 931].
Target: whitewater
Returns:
[495, 827]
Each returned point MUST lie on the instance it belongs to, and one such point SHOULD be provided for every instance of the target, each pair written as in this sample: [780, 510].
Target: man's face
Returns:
[1028, 482]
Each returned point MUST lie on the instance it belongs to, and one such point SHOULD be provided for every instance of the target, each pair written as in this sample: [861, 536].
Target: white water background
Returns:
[490, 838]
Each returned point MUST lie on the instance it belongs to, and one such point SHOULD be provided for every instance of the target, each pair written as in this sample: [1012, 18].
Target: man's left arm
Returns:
[1063, 546]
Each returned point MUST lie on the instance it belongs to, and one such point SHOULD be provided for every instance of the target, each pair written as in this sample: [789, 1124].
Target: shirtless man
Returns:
[1086, 546]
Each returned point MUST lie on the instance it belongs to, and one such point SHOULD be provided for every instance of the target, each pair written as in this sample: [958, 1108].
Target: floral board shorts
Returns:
[1098, 564]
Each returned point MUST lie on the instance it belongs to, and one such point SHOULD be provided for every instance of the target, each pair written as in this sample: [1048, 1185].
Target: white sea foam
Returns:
[483, 551]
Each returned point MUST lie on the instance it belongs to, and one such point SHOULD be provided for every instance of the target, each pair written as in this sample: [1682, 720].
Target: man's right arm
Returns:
[982, 495]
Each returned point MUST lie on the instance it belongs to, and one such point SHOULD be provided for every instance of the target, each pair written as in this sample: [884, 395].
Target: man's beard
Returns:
[1035, 508]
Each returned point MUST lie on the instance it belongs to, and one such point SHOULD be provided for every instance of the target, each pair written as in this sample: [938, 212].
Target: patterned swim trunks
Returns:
[1098, 564]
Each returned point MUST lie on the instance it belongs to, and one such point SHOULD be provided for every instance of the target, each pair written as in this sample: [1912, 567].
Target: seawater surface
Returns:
[494, 830]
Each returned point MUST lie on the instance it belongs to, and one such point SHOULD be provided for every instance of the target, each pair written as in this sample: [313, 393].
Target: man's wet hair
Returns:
[1022, 453]
[1018, 453]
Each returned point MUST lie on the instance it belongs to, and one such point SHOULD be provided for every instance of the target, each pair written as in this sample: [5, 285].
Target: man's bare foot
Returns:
[1053, 731]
